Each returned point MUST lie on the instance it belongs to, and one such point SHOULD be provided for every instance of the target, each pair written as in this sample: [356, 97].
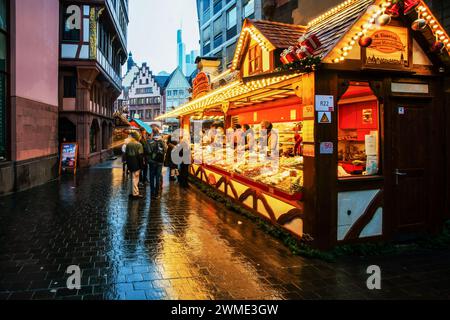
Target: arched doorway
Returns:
[94, 136]
[105, 135]
[67, 131]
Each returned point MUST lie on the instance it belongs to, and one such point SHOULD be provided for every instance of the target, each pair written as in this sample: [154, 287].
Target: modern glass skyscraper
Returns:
[181, 51]
[220, 23]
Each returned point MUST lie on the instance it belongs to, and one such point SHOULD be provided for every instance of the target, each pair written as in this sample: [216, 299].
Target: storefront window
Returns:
[3, 75]
[359, 132]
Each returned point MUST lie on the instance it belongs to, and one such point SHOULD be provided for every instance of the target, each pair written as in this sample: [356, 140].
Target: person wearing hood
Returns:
[135, 161]
[158, 150]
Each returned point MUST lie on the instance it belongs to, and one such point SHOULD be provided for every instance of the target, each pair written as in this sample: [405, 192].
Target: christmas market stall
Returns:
[353, 100]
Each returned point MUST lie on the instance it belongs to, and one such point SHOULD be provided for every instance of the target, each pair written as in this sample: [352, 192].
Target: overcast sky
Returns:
[152, 32]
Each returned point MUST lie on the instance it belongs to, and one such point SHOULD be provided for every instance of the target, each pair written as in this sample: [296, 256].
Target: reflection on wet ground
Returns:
[183, 246]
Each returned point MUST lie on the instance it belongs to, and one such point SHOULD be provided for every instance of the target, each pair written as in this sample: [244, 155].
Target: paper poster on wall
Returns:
[309, 150]
[308, 112]
[367, 115]
[308, 131]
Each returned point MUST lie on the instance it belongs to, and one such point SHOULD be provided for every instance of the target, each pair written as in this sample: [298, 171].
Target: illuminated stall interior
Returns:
[358, 132]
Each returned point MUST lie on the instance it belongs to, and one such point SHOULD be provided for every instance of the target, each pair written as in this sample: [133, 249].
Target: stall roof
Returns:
[335, 29]
[121, 120]
[241, 92]
[142, 124]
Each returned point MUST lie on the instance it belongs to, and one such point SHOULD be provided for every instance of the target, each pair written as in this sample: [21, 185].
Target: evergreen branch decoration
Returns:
[307, 64]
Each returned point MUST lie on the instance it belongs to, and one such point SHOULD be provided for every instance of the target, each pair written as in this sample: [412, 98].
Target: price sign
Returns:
[326, 148]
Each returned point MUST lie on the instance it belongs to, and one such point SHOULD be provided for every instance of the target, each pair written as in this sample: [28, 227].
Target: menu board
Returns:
[68, 157]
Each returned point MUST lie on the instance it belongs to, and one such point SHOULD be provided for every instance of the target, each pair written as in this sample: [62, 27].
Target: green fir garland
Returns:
[307, 64]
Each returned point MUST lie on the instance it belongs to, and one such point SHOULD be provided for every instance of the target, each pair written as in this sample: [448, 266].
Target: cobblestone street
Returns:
[182, 246]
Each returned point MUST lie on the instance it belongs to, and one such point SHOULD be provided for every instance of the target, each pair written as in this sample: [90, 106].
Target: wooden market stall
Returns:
[360, 85]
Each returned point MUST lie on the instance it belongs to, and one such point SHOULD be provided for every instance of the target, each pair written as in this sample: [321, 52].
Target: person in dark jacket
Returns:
[145, 145]
[173, 168]
[134, 156]
[158, 153]
[183, 178]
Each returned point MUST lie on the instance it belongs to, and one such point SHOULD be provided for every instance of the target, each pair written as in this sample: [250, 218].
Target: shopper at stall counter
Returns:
[135, 162]
[272, 137]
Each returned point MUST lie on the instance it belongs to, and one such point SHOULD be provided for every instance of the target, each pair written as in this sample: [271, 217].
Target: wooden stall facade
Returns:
[375, 156]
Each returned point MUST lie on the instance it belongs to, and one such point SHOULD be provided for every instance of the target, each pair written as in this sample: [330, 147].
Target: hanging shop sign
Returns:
[389, 49]
[200, 85]
[68, 157]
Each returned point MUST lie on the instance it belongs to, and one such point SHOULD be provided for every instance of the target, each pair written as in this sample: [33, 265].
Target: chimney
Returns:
[209, 65]
[309, 9]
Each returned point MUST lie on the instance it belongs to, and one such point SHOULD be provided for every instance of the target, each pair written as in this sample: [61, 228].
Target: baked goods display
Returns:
[286, 176]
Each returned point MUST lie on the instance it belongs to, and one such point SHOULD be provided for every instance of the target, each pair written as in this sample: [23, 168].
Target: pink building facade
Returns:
[29, 93]
[60, 74]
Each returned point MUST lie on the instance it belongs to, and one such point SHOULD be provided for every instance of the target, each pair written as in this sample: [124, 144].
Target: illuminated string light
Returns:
[422, 9]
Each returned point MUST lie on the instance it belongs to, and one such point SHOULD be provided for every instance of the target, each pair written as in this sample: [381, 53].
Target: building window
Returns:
[147, 90]
[217, 6]
[70, 87]
[71, 23]
[206, 47]
[148, 114]
[255, 59]
[218, 40]
[359, 132]
[206, 10]
[230, 54]
[231, 23]
[4, 66]
[249, 9]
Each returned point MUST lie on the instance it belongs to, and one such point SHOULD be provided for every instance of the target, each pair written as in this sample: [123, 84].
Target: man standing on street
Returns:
[135, 160]
[158, 150]
[146, 146]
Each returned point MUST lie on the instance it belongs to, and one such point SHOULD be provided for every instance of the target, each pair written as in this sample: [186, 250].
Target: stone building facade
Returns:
[93, 48]
[144, 95]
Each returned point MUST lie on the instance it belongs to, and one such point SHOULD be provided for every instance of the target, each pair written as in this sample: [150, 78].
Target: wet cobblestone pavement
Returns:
[182, 246]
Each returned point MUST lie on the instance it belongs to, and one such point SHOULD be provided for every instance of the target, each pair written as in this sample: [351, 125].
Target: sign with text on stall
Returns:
[324, 103]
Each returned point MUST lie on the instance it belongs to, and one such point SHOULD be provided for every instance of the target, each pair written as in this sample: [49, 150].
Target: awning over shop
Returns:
[141, 124]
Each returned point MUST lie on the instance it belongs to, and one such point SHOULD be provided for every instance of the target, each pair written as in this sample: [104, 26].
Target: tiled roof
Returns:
[331, 30]
[281, 35]
[162, 81]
